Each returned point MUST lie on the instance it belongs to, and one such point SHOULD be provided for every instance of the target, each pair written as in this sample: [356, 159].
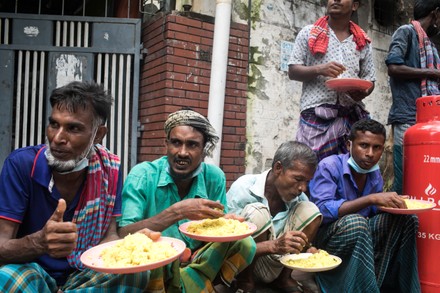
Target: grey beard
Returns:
[65, 166]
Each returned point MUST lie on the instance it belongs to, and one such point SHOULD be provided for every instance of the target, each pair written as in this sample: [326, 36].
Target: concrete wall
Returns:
[273, 100]
[273, 105]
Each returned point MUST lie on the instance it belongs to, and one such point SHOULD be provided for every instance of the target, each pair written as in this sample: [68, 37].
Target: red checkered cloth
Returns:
[428, 59]
[318, 39]
[95, 208]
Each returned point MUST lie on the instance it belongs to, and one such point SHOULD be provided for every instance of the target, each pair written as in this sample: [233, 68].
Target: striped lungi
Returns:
[325, 128]
[268, 267]
[378, 254]
[31, 277]
[223, 259]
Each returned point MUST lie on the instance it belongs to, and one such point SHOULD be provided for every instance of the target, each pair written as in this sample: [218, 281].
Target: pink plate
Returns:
[184, 227]
[348, 84]
[91, 258]
[409, 211]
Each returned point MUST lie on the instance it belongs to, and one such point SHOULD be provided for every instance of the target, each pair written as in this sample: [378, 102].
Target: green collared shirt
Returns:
[149, 189]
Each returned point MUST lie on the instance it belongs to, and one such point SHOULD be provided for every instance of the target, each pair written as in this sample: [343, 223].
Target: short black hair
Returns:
[367, 125]
[423, 8]
[78, 94]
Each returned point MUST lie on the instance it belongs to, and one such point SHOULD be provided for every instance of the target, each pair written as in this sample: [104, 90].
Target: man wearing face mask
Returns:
[378, 250]
[61, 198]
[413, 66]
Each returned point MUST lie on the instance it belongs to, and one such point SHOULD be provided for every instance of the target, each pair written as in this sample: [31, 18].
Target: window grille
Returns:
[384, 12]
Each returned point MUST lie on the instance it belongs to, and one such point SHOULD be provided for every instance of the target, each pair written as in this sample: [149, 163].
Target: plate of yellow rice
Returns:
[132, 254]
[414, 206]
[217, 230]
[311, 262]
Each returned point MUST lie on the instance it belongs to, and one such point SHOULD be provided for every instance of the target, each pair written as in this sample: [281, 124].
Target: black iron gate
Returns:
[40, 52]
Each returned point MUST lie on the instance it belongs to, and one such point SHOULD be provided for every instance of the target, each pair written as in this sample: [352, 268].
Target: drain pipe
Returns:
[219, 63]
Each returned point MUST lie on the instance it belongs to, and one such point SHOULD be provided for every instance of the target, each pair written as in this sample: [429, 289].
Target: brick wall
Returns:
[176, 73]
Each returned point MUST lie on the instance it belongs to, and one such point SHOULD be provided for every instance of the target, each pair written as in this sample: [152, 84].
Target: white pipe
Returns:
[219, 65]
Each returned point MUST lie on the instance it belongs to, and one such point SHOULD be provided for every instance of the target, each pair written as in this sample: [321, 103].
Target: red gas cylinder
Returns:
[421, 180]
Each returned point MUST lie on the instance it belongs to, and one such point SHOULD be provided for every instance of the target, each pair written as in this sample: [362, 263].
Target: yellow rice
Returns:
[218, 227]
[320, 259]
[414, 204]
[136, 249]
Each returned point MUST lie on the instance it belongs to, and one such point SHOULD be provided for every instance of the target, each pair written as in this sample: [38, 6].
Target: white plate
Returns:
[287, 257]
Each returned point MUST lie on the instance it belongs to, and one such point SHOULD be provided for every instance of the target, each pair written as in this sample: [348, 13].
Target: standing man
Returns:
[286, 220]
[62, 198]
[413, 66]
[332, 47]
[378, 250]
[165, 193]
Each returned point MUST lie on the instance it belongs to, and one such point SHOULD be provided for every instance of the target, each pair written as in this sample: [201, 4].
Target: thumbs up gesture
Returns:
[58, 237]
[58, 214]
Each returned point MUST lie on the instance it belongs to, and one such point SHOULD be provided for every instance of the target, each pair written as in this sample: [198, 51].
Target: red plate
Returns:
[92, 258]
[409, 211]
[348, 84]
[184, 229]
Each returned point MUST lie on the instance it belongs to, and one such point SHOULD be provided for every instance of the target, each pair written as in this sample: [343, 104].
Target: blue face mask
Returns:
[84, 163]
[356, 167]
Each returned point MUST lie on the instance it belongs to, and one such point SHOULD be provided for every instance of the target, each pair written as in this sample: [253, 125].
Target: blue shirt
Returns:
[333, 184]
[250, 189]
[149, 189]
[404, 50]
[26, 199]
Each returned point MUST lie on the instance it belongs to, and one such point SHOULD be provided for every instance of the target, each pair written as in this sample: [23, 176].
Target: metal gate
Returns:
[40, 52]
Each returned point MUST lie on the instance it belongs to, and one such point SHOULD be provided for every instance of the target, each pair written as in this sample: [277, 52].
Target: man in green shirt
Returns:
[163, 194]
